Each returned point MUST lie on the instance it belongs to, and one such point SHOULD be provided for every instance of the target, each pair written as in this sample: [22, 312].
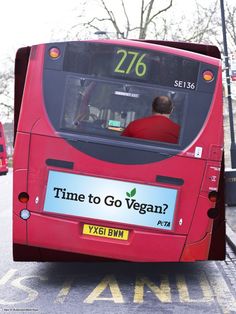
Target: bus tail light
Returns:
[23, 197]
[25, 214]
[208, 76]
[54, 53]
[213, 196]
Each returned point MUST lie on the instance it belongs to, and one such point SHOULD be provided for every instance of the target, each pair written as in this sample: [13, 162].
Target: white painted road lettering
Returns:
[17, 283]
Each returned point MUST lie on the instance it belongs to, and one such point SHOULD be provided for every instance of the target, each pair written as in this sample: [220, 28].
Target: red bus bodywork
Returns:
[40, 149]
[3, 153]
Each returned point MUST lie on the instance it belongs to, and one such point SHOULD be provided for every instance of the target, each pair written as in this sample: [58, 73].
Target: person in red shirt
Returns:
[158, 126]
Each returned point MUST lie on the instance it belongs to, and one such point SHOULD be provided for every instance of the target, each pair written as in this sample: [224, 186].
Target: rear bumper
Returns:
[66, 236]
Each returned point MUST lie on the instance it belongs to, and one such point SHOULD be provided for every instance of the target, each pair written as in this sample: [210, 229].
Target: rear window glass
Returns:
[107, 108]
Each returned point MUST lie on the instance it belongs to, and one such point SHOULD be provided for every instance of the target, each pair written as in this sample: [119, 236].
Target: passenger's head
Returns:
[162, 104]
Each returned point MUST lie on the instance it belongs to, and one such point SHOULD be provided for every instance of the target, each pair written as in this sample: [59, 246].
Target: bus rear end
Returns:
[3, 153]
[82, 188]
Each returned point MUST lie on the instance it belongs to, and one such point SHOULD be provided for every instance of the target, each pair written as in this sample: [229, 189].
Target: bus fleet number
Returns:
[184, 84]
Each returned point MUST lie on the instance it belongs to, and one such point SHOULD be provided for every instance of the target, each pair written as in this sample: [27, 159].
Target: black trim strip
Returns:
[169, 180]
[60, 163]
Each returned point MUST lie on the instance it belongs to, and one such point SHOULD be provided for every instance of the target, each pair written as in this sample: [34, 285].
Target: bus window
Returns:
[106, 108]
[111, 194]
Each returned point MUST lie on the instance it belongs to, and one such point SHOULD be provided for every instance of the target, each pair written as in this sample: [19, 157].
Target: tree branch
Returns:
[161, 11]
[141, 18]
[112, 19]
[127, 19]
[150, 17]
[231, 23]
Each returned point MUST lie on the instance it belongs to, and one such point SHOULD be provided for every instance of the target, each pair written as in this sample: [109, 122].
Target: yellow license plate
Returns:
[105, 232]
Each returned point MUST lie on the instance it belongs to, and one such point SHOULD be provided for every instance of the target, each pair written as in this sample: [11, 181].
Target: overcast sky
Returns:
[27, 22]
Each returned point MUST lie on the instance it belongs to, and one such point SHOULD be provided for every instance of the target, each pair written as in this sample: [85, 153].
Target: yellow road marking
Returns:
[224, 297]
[110, 282]
[184, 291]
[64, 291]
[206, 288]
[212, 284]
[162, 292]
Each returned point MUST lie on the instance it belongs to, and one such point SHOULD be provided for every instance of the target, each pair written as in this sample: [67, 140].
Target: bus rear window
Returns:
[107, 107]
[1, 148]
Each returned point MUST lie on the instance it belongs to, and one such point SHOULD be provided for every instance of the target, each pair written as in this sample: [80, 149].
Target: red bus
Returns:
[3, 153]
[83, 190]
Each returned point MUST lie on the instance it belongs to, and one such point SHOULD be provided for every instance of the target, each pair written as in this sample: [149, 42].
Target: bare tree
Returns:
[216, 25]
[204, 25]
[231, 25]
[6, 90]
[198, 28]
[153, 19]
[149, 11]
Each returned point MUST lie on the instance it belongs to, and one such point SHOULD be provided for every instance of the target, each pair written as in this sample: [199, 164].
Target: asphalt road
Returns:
[119, 287]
